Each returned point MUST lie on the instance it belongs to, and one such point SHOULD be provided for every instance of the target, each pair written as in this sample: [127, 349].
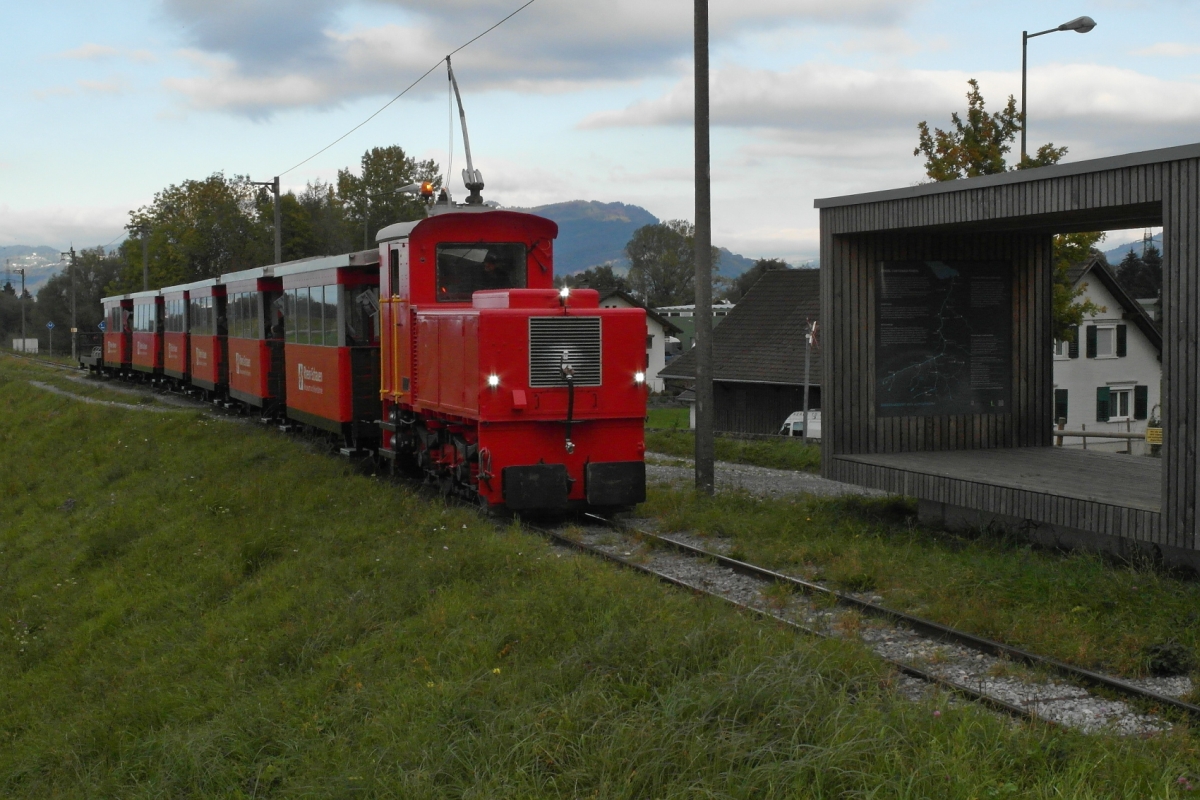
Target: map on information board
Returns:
[943, 338]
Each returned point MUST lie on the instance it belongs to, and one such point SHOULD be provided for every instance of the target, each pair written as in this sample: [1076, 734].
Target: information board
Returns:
[943, 338]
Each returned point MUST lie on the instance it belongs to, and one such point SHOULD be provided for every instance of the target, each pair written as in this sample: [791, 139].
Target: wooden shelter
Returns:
[937, 307]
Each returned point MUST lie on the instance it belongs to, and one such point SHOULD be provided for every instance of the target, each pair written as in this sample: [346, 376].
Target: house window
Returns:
[1061, 348]
[1120, 403]
[1106, 341]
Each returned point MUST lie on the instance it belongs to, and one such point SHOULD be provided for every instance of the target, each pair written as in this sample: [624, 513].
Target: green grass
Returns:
[194, 608]
[1077, 607]
[781, 454]
[668, 418]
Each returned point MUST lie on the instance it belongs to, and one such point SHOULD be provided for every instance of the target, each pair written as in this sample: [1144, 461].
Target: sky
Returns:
[106, 103]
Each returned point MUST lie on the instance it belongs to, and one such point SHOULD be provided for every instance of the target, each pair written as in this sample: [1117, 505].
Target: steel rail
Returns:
[934, 630]
[906, 669]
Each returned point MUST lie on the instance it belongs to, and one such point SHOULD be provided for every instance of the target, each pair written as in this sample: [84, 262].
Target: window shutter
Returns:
[1091, 341]
[1060, 405]
[1141, 402]
[1102, 396]
[1073, 347]
[1121, 341]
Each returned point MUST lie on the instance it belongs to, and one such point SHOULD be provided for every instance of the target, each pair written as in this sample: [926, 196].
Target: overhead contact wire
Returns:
[408, 88]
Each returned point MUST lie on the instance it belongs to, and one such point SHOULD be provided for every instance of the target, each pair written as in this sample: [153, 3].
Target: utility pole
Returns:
[144, 230]
[705, 446]
[22, 297]
[74, 328]
[273, 185]
[810, 334]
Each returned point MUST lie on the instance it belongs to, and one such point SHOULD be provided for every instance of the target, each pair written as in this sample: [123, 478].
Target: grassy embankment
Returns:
[194, 607]
[1129, 618]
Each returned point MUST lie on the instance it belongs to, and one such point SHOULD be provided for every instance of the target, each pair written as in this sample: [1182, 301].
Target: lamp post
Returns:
[1079, 25]
[22, 299]
[273, 185]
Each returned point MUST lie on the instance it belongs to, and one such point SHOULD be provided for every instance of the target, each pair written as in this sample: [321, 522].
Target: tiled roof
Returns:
[762, 339]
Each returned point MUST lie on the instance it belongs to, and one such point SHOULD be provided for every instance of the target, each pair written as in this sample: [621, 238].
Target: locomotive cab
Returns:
[500, 386]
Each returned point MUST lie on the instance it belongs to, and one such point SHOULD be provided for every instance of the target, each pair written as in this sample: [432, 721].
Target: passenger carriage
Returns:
[207, 332]
[330, 322]
[147, 357]
[255, 340]
[176, 353]
[118, 334]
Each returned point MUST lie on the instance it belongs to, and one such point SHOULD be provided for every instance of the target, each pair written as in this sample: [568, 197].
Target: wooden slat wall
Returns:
[1035, 507]
[969, 225]
[850, 354]
[765, 407]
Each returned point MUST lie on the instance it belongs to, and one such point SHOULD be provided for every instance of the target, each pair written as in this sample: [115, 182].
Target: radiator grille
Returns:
[549, 337]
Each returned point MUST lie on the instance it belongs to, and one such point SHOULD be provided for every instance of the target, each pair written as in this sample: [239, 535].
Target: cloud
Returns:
[60, 226]
[1169, 49]
[822, 97]
[258, 64]
[101, 52]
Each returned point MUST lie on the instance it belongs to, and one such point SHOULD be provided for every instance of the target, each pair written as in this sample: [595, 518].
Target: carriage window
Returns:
[331, 316]
[463, 269]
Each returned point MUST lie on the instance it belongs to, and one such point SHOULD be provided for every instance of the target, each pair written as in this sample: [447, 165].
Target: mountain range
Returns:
[1115, 255]
[591, 233]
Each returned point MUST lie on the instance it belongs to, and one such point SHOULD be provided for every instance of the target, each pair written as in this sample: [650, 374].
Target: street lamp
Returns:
[1079, 25]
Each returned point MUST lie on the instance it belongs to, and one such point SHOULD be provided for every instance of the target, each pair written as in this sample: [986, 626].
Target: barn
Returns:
[758, 354]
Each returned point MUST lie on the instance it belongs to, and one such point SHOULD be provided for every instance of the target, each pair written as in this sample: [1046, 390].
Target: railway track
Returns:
[636, 540]
[1049, 700]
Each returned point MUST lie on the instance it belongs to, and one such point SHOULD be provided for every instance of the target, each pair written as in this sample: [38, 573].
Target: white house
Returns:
[1110, 377]
[658, 329]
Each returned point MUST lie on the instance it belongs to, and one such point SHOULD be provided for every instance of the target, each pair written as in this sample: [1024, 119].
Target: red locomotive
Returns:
[448, 347]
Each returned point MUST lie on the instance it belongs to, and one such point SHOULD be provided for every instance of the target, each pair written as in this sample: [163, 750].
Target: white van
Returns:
[794, 424]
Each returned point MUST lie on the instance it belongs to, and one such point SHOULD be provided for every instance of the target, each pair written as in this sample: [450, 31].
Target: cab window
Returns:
[463, 269]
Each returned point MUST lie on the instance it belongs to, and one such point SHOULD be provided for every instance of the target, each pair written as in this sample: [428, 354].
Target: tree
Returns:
[662, 268]
[197, 230]
[95, 271]
[742, 283]
[371, 200]
[1141, 276]
[1070, 249]
[602, 278]
[979, 145]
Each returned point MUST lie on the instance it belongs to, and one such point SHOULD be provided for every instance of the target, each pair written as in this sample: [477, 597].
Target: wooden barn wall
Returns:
[851, 424]
[757, 408]
[855, 237]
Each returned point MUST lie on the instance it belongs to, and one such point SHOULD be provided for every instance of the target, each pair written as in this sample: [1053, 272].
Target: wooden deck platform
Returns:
[1104, 493]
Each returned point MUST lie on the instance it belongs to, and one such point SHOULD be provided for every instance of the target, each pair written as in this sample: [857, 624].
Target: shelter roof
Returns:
[1123, 161]
[762, 339]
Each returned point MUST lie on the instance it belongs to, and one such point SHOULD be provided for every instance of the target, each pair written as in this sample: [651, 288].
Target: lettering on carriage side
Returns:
[142, 349]
[241, 361]
[306, 377]
[172, 351]
[201, 358]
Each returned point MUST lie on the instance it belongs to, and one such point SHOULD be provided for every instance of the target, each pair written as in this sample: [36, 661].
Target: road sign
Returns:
[102, 326]
[50, 325]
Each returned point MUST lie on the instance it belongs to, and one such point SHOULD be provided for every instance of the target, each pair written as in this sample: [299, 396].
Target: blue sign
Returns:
[102, 326]
[50, 325]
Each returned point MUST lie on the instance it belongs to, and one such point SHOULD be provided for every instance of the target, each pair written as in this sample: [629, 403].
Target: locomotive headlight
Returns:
[493, 380]
[639, 378]
[565, 292]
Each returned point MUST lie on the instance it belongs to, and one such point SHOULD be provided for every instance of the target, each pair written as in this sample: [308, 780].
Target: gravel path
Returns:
[763, 481]
[1051, 699]
[109, 403]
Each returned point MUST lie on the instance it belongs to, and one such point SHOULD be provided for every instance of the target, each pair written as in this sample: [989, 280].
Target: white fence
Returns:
[25, 345]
